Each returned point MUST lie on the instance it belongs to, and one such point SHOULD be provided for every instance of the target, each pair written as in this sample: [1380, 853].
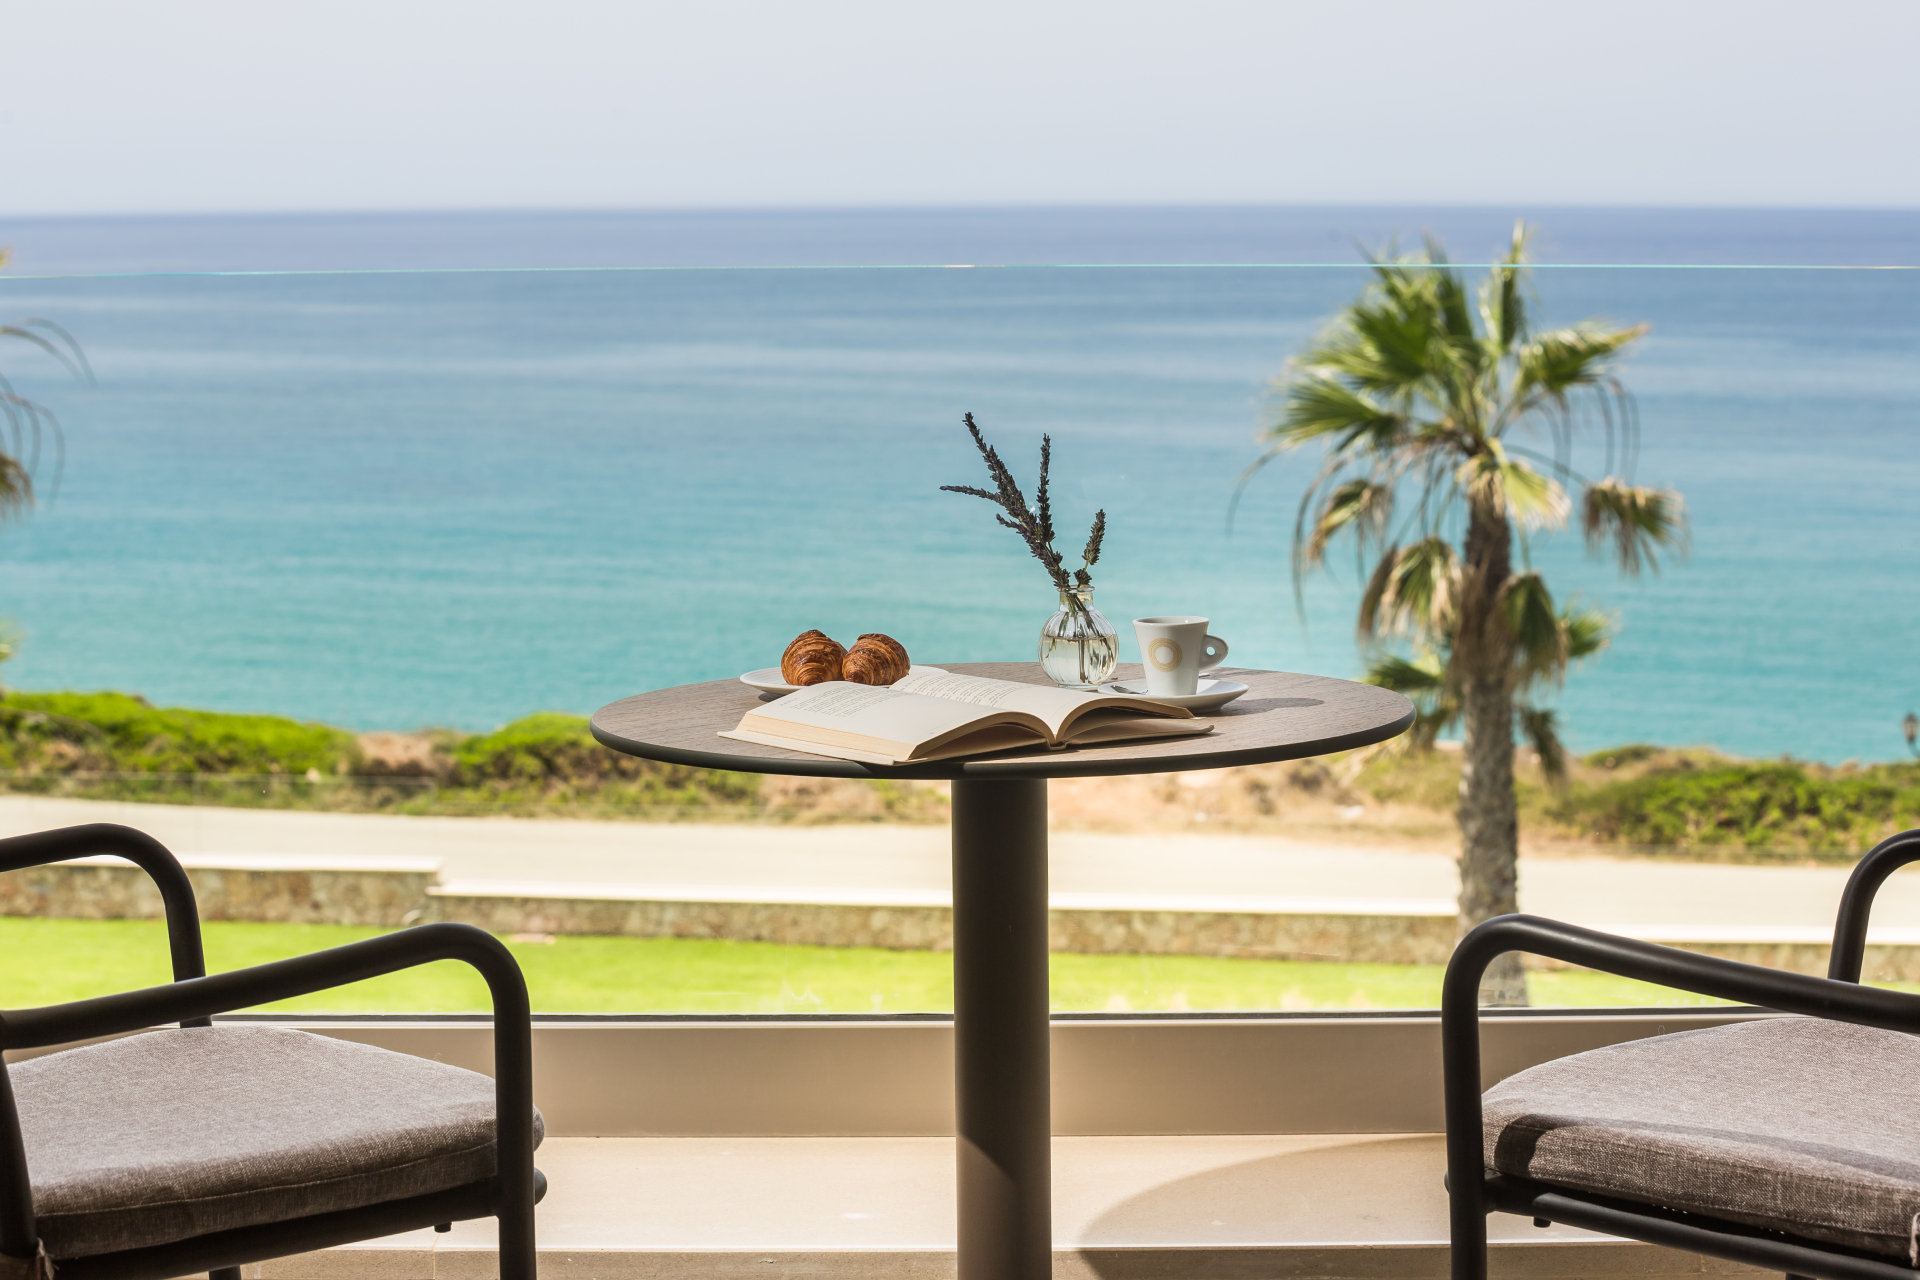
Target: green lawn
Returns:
[45, 961]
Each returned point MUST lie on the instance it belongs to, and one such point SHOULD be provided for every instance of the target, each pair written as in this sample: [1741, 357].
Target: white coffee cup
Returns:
[1173, 648]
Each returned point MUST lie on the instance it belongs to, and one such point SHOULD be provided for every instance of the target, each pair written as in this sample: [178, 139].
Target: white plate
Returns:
[767, 679]
[1208, 695]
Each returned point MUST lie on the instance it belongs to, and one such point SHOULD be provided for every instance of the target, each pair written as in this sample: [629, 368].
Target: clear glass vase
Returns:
[1078, 646]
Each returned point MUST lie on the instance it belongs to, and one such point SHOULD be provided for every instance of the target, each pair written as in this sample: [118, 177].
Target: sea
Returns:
[392, 471]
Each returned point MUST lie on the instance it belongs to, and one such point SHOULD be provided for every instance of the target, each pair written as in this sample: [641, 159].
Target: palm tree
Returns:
[1420, 393]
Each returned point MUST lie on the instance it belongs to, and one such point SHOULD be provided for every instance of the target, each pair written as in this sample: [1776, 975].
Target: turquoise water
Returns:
[454, 497]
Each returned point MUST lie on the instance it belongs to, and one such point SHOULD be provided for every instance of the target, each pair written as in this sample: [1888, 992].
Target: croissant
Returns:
[875, 659]
[812, 658]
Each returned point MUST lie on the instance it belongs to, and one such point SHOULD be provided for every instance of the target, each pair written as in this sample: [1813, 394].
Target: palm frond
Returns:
[1452, 305]
[1392, 350]
[1319, 404]
[1423, 679]
[1540, 727]
[53, 340]
[1555, 363]
[1496, 477]
[1539, 639]
[1412, 591]
[1407, 337]
[1424, 674]
[1588, 632]
[1635, 519]
[26, 426]
[1548, 641]
[16, 487]
[1364, 506]
[1503, 311]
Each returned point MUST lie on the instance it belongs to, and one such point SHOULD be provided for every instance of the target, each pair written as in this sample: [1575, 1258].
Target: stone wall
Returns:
[384, 896]
[1894, 962]
[800, 924]
[1258, 935]
[1382, 939]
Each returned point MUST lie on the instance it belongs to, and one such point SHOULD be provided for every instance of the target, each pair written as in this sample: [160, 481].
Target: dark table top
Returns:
[1281, 716]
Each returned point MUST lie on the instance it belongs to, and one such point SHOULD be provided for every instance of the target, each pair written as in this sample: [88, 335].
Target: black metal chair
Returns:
[206, 1147]
[1786, 1143]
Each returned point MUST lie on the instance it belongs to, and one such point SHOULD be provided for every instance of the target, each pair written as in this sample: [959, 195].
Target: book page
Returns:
[1052, 705]
[1056, 708]
[998, 737]
[1089, 732]
[888, 720]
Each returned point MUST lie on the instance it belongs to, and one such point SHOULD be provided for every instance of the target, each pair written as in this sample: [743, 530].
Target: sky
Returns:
[142, 106]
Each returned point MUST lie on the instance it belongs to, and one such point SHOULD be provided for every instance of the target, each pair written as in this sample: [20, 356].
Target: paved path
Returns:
[760, 861]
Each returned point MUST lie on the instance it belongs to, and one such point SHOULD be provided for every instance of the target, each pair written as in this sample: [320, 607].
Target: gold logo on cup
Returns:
[1164, 654]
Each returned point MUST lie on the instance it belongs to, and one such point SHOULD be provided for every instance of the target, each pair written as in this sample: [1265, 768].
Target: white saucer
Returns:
[1209, 695]
[767, 679]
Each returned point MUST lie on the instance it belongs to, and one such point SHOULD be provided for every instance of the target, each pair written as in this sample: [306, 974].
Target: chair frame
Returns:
[1473, 1192]
[191, 1000]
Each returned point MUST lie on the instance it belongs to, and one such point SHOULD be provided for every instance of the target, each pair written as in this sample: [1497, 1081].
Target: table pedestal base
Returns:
[1000, 1007]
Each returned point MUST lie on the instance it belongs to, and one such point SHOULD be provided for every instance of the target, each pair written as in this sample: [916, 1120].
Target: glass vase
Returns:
[1078, 646]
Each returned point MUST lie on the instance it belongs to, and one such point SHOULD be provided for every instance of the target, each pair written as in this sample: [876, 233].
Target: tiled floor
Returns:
[1207, 1208]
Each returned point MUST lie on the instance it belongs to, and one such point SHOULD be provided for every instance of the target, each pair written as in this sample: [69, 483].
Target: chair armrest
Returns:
[1850, 926]
[94, 838]
[1628, 958]
[277, 980]
[198, 998]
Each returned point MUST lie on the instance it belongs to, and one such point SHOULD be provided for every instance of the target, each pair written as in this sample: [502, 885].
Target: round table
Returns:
[1000, 1000]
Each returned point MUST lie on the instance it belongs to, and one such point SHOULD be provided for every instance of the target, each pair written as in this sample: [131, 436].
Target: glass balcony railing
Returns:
[396, 532]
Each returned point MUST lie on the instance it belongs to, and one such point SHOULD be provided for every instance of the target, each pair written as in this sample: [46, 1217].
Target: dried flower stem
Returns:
[1033, 524]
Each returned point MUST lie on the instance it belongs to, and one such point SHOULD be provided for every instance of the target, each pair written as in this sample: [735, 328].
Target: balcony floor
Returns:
[1205, 1208]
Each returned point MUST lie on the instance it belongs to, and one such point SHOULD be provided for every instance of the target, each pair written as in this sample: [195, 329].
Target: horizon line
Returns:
[974, 266]
[960, 206]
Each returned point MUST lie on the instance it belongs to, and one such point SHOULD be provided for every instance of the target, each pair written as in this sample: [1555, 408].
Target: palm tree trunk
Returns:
[1489, 818]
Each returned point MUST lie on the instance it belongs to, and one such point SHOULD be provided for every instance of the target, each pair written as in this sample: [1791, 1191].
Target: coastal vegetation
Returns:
[119, 746]
[1645, 800]
[1417, 397]
[1710, 806]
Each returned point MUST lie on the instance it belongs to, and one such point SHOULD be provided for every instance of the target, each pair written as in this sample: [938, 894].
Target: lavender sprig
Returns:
[1091, 556]
[1098, 534]
[1046, 504]
[1034, 528]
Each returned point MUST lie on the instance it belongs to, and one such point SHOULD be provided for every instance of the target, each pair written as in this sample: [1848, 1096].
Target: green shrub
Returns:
[544, 745]
[1631, 753]
[554, 755]
[119, 733]
[1783, 805]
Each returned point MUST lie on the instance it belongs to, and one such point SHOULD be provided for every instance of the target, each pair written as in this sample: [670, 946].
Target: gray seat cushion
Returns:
[171, 1134]
[1801, 1125]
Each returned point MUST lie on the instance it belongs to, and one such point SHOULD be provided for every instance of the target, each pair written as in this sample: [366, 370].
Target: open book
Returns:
[935, 715]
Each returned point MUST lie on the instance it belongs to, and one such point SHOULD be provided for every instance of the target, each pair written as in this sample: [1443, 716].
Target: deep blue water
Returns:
[453, 497]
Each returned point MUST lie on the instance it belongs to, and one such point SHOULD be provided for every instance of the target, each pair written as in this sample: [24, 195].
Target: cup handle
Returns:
[1213, 652]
